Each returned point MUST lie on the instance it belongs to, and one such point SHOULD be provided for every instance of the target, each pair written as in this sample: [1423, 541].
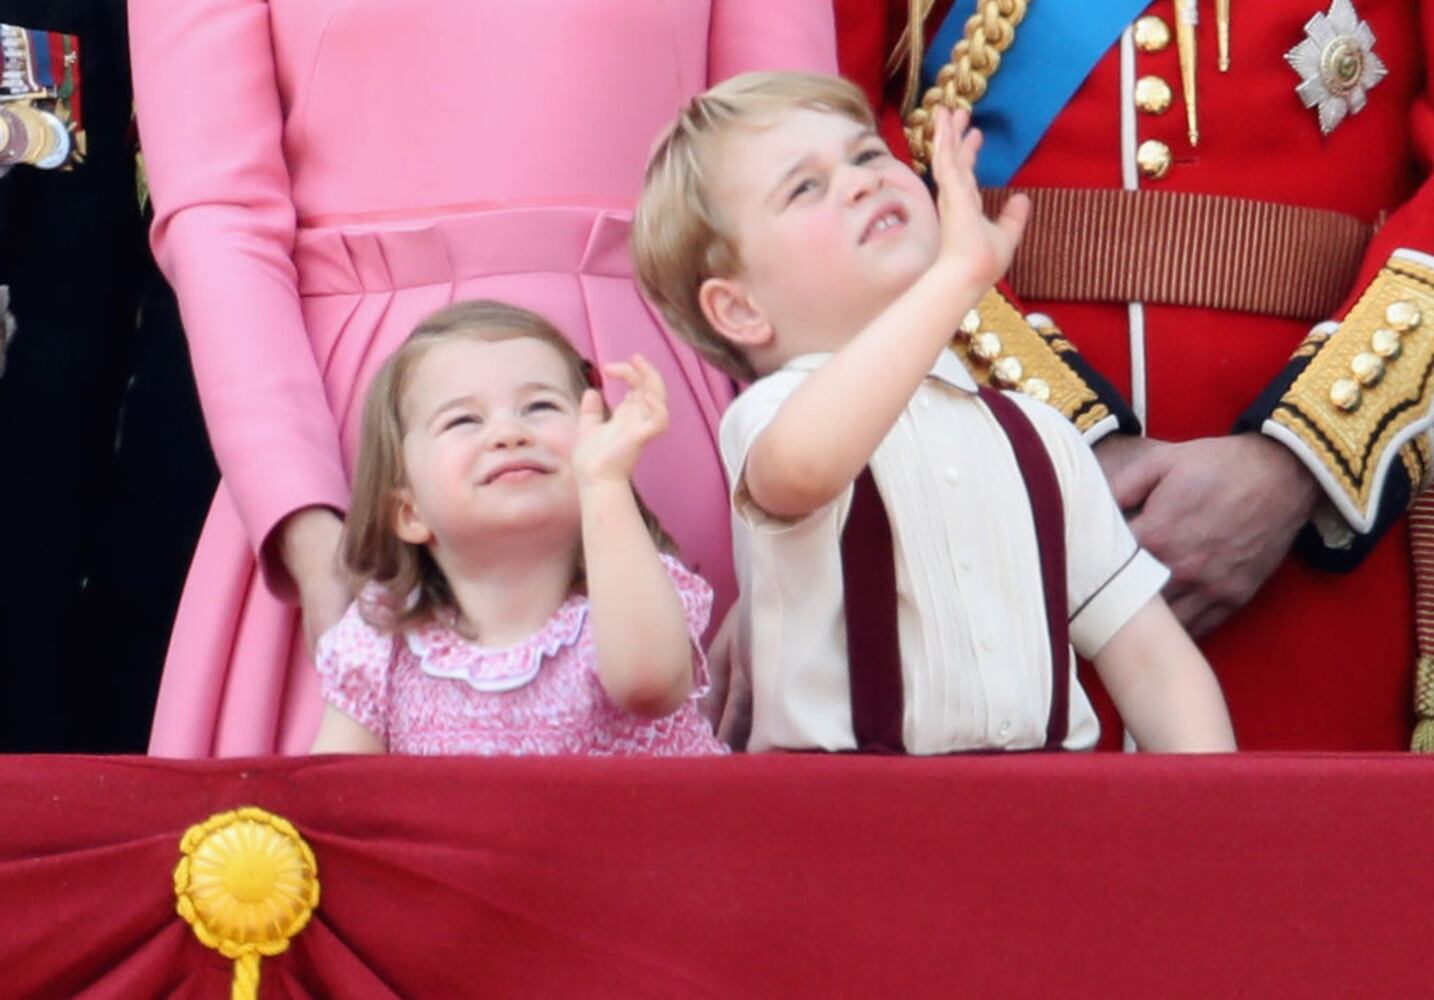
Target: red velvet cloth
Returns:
[772, 876]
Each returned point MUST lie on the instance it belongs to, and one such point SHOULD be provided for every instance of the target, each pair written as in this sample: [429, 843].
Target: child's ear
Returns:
[733, 314]
[408, 525]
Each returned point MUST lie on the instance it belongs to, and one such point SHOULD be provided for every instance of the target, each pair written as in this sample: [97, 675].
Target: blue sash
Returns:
[1056, 47]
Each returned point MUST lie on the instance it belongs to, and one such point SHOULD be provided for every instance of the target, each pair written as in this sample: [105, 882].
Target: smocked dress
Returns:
[429, 690]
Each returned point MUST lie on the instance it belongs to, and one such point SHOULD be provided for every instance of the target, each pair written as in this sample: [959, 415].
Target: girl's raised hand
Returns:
[983, 246]
[607, 450]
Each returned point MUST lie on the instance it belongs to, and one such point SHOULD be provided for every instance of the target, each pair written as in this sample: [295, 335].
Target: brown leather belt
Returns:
[1175, 248]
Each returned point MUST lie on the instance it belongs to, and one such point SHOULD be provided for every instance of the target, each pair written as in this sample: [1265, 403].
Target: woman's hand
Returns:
[309, 548]
[728, 704]
[608, 450]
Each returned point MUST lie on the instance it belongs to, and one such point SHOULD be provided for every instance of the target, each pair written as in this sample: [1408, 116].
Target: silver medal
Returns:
[1336, 64]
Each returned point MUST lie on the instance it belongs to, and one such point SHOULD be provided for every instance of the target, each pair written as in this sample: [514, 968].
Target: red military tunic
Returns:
[1318, 659]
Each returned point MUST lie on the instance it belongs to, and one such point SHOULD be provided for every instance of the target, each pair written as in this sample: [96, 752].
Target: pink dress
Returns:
[325, 173]
[431, 691]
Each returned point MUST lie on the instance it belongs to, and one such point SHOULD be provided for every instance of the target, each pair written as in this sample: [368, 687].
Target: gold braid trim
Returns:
[1002, 349]
[962, 81]
[1423, 738]
[1421, 548]
[1366, 383]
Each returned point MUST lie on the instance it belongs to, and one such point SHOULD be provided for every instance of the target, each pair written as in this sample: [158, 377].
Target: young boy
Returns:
[894, 593]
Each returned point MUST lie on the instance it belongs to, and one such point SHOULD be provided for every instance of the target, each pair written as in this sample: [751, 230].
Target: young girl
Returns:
[514, 593]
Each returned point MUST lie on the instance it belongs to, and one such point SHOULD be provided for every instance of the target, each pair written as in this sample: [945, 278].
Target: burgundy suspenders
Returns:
[1048, 512]
[873, 648]
[868, 563]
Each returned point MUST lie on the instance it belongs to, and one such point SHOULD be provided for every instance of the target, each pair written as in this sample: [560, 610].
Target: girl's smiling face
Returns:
[489, 429]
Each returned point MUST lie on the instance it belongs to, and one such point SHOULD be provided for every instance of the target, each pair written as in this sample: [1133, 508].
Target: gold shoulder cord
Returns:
[995, 341]
[962, 81]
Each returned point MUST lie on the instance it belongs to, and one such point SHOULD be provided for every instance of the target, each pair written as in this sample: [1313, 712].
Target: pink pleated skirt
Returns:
[237, 680]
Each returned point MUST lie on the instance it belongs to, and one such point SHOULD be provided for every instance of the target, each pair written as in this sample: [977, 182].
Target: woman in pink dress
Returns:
[327, 172]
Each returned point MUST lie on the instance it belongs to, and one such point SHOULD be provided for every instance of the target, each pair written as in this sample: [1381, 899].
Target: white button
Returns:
[964, 564]
[1004, 730]
[951, 474]
[985, 644]
[925, 403]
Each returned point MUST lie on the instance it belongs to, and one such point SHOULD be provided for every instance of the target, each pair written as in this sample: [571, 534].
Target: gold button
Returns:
[1345, 394]
[1403, 315]
[1385, 343]
[1152, 34]
[986, 346]
[1153, 158]
[1007, 371]
[1368, 368]
[971, 323]
[1037, 388]
[1152, 95]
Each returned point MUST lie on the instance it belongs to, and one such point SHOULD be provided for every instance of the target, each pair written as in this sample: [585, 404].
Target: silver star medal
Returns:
[1336, 64]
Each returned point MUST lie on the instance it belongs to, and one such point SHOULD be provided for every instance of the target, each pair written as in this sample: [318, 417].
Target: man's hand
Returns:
[1220, 512]
[1116, 452]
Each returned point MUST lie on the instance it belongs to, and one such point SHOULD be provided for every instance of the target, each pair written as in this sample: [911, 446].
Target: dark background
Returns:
[105, 471]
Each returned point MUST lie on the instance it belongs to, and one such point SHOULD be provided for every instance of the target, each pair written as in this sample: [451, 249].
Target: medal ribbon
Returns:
[67, 48]
[40, 91]
[42, 65]
[19, 78]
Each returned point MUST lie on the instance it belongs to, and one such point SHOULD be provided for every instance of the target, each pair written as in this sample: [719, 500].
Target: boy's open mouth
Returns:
[885, 219]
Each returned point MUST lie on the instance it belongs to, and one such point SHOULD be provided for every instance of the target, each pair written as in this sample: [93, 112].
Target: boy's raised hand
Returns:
[608, 450]
[982, 246]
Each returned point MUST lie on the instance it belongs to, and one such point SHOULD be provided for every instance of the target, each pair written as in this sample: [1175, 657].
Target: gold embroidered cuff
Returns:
[1003, 349]
[1363, 400]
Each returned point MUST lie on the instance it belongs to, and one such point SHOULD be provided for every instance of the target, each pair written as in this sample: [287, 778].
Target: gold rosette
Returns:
[247, 883]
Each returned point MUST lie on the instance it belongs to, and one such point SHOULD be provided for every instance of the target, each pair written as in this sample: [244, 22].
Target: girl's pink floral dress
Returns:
[429, 690]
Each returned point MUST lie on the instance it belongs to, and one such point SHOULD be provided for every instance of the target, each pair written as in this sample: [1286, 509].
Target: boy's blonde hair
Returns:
[372, 551]
[677, 237]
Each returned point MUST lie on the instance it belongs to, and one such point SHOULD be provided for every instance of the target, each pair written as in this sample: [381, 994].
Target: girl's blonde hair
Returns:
[372, 551]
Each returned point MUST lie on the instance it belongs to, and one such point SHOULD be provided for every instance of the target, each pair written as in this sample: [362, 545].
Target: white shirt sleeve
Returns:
[1109, 576]
[745, 420]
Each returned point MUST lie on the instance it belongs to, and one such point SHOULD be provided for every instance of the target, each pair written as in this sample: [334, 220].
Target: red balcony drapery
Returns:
[764, 876]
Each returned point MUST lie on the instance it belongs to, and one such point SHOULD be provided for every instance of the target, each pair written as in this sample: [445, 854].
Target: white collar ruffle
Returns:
[443, 652]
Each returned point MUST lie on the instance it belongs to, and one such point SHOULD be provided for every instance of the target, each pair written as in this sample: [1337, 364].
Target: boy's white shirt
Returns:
[974, 646]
